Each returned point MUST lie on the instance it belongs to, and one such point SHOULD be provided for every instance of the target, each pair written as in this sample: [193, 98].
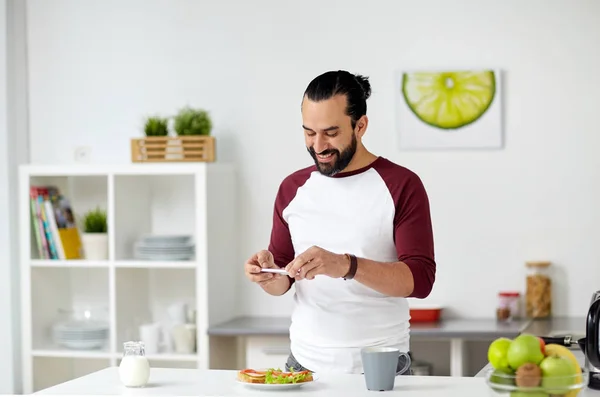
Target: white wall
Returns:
[14, 148]
[97, 68]
[6, 334]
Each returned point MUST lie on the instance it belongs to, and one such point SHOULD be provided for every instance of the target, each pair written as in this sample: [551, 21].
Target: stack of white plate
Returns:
[81, 334]
[165, 248]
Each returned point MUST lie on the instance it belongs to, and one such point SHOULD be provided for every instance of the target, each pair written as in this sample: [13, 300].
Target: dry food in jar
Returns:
[538, 296]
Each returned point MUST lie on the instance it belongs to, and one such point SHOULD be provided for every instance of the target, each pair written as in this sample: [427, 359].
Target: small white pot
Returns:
[95, 246]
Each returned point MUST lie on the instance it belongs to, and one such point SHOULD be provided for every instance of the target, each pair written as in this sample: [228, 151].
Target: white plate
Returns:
[162, 247]
[165, 238]
[180, 257]
[82, 345]
[277, 386]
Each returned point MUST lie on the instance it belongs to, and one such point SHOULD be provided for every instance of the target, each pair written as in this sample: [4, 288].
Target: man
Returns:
[353, 233]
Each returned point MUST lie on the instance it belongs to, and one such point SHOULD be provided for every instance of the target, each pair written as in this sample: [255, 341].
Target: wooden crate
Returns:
[157, 149]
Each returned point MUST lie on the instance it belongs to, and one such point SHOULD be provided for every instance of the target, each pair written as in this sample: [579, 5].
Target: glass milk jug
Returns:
[134, 369]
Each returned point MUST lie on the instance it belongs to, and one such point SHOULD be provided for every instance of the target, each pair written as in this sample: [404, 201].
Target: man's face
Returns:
[328, 134]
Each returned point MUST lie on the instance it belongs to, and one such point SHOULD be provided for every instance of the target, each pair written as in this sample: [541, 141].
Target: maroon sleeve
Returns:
[413, 232]
[280, 244]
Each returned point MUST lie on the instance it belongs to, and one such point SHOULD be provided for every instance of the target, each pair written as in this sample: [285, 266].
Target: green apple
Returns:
[525, 348]
[558, 374]
[497, 352]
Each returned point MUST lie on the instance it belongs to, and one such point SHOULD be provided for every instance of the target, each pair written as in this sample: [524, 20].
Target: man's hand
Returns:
[274, 284]
[317, 260]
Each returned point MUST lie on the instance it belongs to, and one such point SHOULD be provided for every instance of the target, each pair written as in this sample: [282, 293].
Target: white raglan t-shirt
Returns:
[379, 212]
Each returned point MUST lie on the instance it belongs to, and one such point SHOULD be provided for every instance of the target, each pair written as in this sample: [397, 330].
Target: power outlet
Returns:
[82, 154]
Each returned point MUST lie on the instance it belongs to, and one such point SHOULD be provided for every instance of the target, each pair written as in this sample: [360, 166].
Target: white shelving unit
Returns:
[193, 199]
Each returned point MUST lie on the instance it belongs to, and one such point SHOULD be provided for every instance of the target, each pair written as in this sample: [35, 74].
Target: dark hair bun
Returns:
[365, 85]
[356, 88]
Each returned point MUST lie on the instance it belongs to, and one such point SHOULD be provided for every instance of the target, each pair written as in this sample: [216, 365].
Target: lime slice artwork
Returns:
[449, 100]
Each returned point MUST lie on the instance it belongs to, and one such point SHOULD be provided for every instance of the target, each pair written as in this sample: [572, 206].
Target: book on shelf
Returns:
[54, 227]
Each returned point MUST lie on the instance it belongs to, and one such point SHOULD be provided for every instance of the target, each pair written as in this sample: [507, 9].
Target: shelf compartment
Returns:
[152, 204]
[56, 289]
[80, 194]
[144, 295]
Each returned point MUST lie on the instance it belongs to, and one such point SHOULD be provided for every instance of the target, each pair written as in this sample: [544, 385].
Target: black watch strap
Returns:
[353, 267]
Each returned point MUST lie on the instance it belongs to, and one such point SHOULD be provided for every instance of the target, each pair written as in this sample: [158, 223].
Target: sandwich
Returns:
[273, 376]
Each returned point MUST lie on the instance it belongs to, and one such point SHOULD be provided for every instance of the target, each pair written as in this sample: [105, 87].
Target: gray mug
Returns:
[380, 365]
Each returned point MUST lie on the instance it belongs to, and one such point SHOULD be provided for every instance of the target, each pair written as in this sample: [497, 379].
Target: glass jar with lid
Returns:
[134, 369]
[508, 306]
[538, 295]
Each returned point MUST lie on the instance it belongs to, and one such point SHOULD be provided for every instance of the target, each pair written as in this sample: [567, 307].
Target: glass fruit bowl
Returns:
[528, 367]
[534, 384]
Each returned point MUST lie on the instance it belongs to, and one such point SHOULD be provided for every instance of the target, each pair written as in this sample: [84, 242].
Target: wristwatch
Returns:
[353, 267]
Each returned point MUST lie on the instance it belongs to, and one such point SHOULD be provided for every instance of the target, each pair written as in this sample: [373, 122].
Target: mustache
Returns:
[324, 152]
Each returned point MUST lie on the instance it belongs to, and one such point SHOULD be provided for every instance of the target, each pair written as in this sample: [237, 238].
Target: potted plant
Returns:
[95, 237]
[189, 122]
[156, 126]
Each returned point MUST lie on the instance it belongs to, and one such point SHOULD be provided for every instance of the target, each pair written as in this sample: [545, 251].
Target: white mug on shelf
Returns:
[150, 334]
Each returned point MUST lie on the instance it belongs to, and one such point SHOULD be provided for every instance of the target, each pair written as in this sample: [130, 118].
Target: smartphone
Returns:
[273, 270]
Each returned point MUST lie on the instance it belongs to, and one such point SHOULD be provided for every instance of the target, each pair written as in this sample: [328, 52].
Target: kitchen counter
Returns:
[192, 382]
[451, 328]
[456, 331]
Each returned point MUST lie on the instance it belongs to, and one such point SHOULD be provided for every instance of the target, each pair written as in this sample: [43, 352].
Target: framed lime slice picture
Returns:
[450, 109]
[449, 100]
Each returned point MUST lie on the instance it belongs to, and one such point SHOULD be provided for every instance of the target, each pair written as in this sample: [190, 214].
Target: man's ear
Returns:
[361, 126]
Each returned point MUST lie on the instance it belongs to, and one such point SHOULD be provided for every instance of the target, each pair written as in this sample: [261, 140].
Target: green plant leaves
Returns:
[94, 221]
[191, 121]
[156, 126]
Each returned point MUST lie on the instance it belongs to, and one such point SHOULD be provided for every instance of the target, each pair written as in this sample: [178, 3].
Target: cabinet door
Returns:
[267, 351]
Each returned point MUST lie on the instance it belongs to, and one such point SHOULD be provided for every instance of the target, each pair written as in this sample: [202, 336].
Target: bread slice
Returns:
[250, 376]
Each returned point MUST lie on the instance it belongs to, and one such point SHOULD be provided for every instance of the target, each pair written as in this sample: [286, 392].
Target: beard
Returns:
[341, 159]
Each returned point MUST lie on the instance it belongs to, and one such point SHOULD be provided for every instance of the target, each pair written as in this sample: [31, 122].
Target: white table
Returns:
[192, 382]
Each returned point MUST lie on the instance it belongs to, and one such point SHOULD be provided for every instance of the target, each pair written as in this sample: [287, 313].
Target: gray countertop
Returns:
[468, 328]
[557, 326]
[447, 328]
[450, 328]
